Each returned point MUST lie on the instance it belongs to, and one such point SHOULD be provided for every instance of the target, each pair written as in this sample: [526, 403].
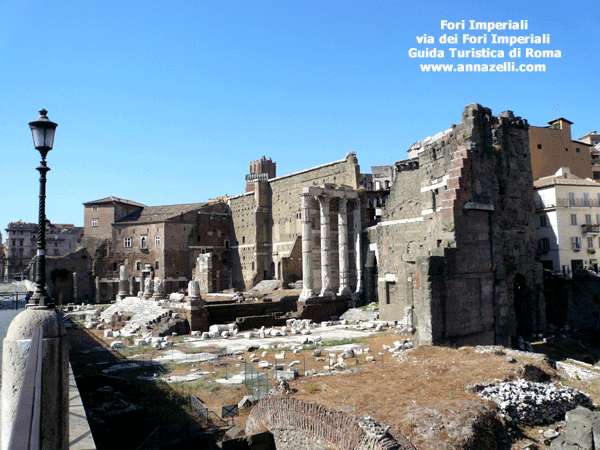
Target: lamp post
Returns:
[43, 140]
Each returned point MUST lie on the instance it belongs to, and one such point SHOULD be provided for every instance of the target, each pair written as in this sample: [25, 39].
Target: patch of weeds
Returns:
[311, 387]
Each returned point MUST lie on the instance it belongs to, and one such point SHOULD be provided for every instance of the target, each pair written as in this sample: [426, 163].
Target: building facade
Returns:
[156, 241]
[21, 245]
[567, 222]
[552, 147]
[593, 138]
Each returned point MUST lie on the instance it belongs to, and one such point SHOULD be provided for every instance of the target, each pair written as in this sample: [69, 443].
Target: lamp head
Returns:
[43, 133]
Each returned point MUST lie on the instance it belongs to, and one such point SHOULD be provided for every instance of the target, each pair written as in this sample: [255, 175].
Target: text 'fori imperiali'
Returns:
[488, 41]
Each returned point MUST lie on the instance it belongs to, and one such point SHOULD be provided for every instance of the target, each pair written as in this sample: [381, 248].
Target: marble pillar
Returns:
[358, 246]
[123, 283]
[307, 257]
[343, 248]
[326, 290]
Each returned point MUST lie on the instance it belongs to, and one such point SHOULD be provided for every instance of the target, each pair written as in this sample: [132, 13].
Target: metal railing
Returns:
[569, 203]
[11, 300]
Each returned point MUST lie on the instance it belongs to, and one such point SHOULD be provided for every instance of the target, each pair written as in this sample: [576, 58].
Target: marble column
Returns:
[326, 290]
[358, 246]
[307, 257]
[343, 247]
[123, 283]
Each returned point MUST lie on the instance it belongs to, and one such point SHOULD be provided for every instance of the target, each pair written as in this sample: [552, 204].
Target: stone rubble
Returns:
[143, 313]
[530, 403]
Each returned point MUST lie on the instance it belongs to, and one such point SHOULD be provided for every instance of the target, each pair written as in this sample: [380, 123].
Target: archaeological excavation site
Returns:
[404, 308]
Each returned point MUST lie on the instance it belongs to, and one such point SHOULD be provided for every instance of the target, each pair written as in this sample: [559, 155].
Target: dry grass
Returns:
[422, 394]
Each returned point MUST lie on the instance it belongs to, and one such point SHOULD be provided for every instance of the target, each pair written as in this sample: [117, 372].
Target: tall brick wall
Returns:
[266, 224]
[307, 422]
[456, 243]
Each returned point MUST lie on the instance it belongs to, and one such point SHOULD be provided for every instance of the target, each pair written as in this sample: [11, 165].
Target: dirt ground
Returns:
[422, 393]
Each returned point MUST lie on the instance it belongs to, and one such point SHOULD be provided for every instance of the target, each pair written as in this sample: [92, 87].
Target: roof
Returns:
[553, 181]
[150, 214]
[113, 199]
[560, 118]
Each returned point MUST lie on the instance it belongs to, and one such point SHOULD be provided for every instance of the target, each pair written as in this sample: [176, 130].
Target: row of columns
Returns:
[324, 195]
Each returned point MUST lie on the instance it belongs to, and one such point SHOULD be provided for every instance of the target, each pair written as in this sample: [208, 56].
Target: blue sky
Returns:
[166, 102]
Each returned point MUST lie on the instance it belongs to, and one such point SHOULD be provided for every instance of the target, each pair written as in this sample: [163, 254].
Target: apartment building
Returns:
[21, 244]
[593, 138]
[567, 222]
[552, 147]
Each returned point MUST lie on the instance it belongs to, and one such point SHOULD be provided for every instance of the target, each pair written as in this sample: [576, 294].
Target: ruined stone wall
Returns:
[243, 233]
[267, 222]
[574, 303]
[297, 423]
[456, 247]
[70, 277]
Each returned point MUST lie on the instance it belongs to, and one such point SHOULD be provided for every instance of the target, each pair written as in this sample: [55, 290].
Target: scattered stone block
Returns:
[285, 375]
[264, 364]
[108, 333]
[116, 345]
[348, 353]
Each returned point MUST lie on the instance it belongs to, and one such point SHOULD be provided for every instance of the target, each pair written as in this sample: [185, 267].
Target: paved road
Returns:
[7, 315]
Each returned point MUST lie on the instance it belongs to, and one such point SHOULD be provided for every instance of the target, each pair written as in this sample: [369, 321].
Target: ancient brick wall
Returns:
[266, 223]
[304, 423]
[243, 234]
[70, 277]
[456, 244]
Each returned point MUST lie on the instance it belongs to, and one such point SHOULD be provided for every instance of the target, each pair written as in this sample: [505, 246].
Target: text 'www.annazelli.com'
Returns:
[504, 67]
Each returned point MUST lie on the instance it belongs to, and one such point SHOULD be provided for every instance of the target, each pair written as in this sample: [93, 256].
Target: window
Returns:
[127, 242]
[590, 242]
[573, 219]
[539, 146]
[156, 265]
[543, 221]
[544, 245]
[575, 243]
[243, 239]
[571, 198]
[94, 222]
[95, 208]
[598, 218]
[588, 219]
[143, 242]
[138, 266]
[226, 243]
[577, 149]
[586, 199]
[157, 241]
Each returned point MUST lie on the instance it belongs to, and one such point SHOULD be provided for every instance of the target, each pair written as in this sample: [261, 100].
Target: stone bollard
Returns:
[54, 424]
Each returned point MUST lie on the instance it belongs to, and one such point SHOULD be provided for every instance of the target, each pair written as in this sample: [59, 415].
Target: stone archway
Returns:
[297, 423]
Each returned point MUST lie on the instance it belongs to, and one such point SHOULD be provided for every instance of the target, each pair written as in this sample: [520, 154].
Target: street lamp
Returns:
[43, 140]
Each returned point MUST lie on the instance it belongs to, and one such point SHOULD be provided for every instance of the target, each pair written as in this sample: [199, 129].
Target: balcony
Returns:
[588, 228]
[568, 203]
